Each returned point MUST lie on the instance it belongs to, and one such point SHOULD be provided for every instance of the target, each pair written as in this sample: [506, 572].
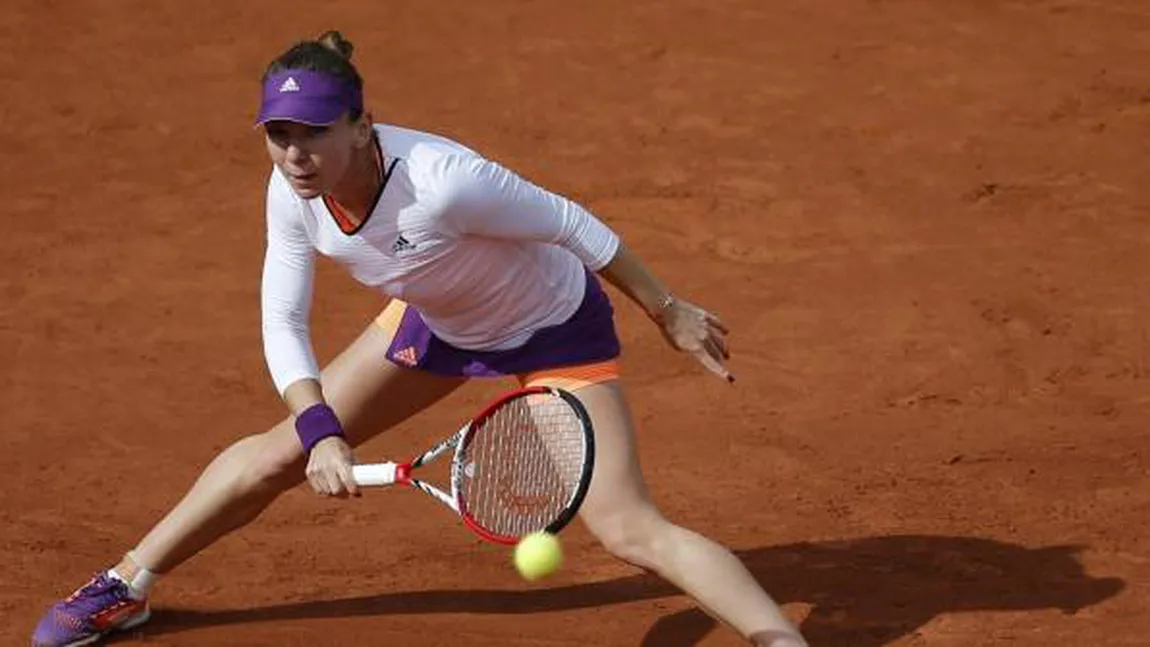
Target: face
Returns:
[314, 159]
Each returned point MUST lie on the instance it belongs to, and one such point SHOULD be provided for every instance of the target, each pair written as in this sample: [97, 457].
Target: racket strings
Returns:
[525, 463]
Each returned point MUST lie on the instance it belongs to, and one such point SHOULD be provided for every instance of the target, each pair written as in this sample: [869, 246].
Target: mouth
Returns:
[304, 181]
[303, 177]
[306, 185]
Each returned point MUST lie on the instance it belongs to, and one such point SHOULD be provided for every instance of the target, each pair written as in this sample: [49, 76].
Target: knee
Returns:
[635, 537]
[272, 463]
[778, 639]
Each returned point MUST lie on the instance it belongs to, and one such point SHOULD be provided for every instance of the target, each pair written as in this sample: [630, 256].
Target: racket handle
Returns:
[374, 474]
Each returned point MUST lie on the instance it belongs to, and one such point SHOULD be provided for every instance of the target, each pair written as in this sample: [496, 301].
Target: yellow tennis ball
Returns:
[538, 555]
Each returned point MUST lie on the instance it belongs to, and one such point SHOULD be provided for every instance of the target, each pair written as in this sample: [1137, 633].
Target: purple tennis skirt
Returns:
[587, 337]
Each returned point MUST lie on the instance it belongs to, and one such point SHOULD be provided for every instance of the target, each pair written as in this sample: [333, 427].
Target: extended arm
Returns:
[286, 295]
[487, 199]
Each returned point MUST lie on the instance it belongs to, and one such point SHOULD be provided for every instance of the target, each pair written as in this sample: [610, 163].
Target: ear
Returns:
[364, 130]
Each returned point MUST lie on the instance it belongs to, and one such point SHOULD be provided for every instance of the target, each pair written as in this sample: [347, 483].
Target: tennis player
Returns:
[488, 275]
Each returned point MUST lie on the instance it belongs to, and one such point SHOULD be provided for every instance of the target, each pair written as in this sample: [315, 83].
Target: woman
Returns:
[489, 275]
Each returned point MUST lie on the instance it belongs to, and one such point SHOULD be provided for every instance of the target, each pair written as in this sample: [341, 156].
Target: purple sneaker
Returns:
[95, 610]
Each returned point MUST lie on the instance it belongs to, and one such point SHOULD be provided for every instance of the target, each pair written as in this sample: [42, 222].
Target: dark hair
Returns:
[330, 54]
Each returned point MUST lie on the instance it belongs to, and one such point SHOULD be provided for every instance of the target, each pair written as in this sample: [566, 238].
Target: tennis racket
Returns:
[522, 465]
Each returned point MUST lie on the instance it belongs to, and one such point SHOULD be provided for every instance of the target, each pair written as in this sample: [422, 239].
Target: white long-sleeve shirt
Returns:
[486, 257]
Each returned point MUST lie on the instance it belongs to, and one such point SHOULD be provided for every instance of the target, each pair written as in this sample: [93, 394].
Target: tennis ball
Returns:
[538, 555]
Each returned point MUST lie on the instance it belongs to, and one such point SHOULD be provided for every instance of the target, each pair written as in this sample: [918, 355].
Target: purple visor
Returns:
[308, 97]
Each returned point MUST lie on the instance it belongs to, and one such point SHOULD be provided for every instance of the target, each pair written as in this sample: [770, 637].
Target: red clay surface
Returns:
[926, 223]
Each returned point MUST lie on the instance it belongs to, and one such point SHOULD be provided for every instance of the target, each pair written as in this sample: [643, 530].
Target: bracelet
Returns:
[665, 304]
[316, 423]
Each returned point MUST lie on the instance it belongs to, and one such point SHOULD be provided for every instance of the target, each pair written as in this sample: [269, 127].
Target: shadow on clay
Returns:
[864, 592]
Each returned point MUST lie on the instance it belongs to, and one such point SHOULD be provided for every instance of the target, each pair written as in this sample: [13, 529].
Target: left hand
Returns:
[692, 329]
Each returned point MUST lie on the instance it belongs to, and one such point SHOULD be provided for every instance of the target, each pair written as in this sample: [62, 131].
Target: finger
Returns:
[717, 347]
[717, 355]
[721, 342]
[333, 484]
[716, 332]
[717, 323]
[715, 366]
[711, 345]
[315, 480]
[346, 474]
[349, 482]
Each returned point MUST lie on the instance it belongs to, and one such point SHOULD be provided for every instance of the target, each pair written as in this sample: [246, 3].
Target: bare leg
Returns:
[619, 511]
[370, 395]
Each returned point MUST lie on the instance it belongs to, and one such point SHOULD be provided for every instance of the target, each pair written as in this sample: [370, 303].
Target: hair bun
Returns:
[335, 41]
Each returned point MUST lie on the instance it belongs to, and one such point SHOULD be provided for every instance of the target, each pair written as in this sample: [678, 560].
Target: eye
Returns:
[317, 131]
[278, 135]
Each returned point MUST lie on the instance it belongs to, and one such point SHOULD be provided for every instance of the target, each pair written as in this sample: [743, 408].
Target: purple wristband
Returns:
[316, 423]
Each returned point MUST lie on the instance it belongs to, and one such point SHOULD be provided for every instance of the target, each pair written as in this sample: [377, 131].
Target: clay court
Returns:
[926, 222]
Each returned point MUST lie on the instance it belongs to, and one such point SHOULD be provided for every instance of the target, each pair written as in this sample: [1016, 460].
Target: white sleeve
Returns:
[483, 198]
[286, 289]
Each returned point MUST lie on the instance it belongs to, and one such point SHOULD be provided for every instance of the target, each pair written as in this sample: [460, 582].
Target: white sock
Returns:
[141, 584]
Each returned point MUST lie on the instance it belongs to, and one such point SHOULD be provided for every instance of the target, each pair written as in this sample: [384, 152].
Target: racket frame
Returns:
[384, 474]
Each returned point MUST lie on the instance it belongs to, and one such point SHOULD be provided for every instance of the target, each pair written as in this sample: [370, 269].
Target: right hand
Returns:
[329, 468]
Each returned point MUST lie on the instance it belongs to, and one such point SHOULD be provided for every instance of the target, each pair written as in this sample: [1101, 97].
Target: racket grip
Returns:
[374, 474]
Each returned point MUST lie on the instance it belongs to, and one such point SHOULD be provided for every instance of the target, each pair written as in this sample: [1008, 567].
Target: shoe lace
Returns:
[100, 593]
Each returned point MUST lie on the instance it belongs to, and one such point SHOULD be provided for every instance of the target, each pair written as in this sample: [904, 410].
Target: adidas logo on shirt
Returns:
[290, 85]
[402, 245]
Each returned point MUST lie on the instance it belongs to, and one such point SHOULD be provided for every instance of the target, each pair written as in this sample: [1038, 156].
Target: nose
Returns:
[294, 153]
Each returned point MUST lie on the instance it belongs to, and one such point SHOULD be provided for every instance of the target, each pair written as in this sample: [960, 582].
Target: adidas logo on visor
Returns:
[290, 85]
